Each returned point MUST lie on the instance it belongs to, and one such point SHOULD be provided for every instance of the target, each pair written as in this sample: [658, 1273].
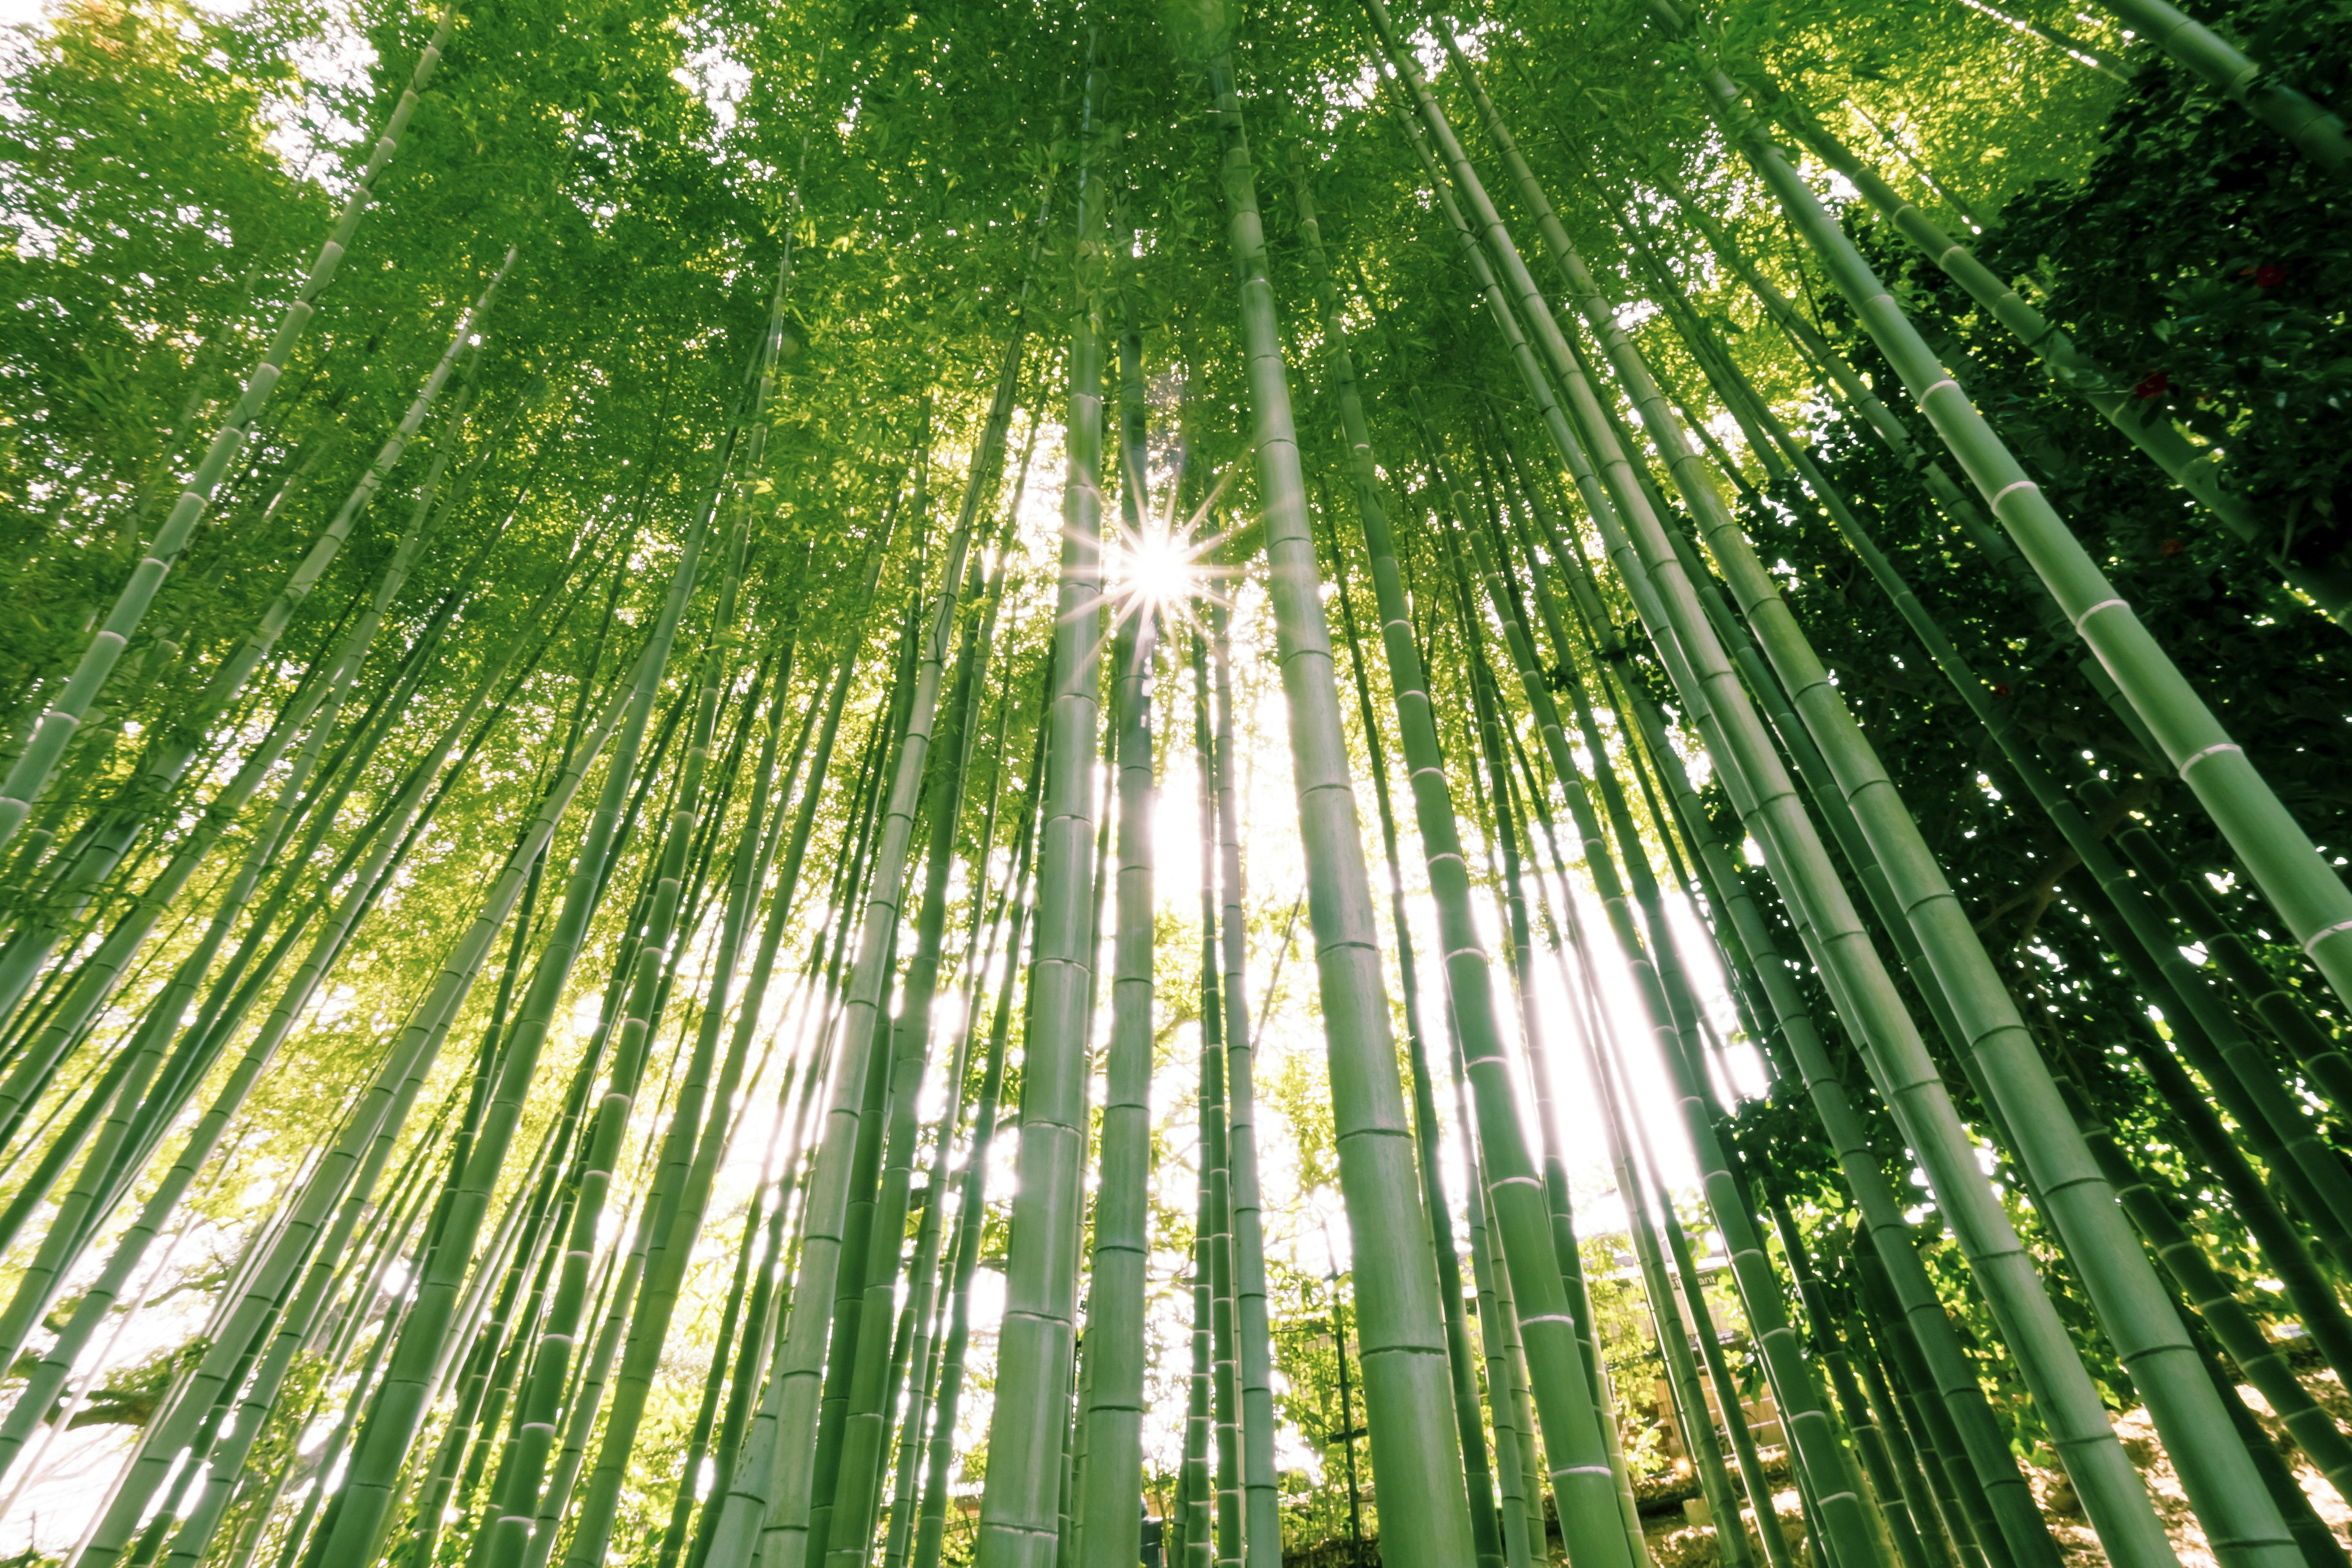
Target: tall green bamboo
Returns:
[1404, 673]
[1767, 1316]
[971, 1211]
[1487, 806]
[848, 1532]
[1564, 1394]
[1021, 1504]
[510, 1526]
[1199, 1482]
[2203, 1026]
[2300, 884]
[768, 1503]
[2142, 1320]
[1416, 1464]
[690, 1153]
[2261, 1362]
[297, 1322]
[1642, 1224]
[1216, 1216]
[1111, 1504]
[926, 1305]
[2311, 128]
[1995, 1488]
[1252, 1340]
[932, 1302]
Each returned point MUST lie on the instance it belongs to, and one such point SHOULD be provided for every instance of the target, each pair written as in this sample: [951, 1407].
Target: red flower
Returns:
[2000, 688]
[2269, 274]
[2156, 384]
[2170, 547]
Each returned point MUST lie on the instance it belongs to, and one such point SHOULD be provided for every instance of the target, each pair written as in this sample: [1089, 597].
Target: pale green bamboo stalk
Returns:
[1407, 1390]
[1953, 1382]
[2314, 131]
[2214, 1469]
[1405, 679]
[331, 1453]
[31, 772]
[1846, 386]
[936, 1294]
[1644, 1225]
[1490, 808]
[2196, 470]
[99, 850]
[1508, 1499]
[1106, 1480]
[1020, 1503]
[1758, 1293]
[2207, 1031]
[1917, 1098]
[1252, 1340]
[367, 1141]
[1228, 1529]
[258, 1405]
[1070, 1522]
[2257, 1359]
[933, 1304]
[771, 1490]
[688, 1163]
[1656, 978]
[1199, 1485]
[509, 1529]
[971, 1216]
[1110, 1504]
[103, 842]
[1578, 986]
[585, 1399]
[247, 1313]
[691, 1151]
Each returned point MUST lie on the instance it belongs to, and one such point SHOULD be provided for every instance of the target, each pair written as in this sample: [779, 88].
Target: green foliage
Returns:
[164, 170]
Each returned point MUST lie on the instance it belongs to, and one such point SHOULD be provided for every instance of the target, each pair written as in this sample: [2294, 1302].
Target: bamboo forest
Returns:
[1141, 783]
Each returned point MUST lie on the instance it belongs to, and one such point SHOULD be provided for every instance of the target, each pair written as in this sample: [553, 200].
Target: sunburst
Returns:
[1161, 570]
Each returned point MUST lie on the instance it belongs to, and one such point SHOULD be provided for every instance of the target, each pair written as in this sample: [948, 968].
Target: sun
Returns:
[1160, 570]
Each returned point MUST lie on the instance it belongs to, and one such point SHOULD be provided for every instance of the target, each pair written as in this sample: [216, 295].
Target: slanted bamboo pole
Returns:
[971, 1211]
[380, 1451]
[29, 775]
[2196, 470]
[1404, 676]
[2305, 890]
